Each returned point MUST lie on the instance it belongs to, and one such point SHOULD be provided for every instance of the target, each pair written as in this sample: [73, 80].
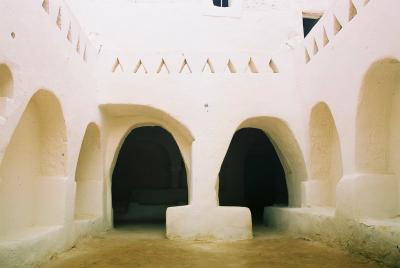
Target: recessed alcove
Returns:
[6, 87]
[325, 156]
[377, 118]
[33, 171]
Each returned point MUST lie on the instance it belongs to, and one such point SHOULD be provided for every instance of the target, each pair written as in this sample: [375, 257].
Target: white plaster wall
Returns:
[50, 62]
[331, 76]
[208, 106]
[202, 111]
[170, 25]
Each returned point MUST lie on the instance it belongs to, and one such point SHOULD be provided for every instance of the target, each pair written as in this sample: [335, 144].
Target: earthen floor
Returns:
[146, 246]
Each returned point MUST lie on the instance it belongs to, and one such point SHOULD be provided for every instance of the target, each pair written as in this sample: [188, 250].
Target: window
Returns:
[221, 3]
[308, 24]
[310, 18]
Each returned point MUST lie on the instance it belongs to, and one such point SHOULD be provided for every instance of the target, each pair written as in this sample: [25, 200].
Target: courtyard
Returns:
[145, 246]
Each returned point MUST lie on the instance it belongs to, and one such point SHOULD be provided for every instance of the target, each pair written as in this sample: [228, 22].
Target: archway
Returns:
[88, 176]
[149, 176]
[325, 155]
[251, 174]
[33, 170]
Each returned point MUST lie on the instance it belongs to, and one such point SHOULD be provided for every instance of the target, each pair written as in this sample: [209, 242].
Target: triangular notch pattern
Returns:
[208, 67]
[231, 68]
[140, 68]
[185, 68]
[307, 56]
[315, 47]
[84, 54]
[78, 46]
[69, 35]
[337, 27]
[325, 39]
[163, 69]
[46, 6]
[352, 10]
[58, 21]
[251, 67]
[273, 66]
[117, 65]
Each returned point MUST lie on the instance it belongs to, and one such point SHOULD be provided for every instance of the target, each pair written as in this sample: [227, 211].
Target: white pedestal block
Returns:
[209, 223]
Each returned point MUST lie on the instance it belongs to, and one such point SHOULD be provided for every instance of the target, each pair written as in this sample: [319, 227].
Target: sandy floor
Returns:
[145, 246]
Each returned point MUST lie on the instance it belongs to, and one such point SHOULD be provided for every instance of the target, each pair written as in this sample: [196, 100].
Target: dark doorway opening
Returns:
[251, 174]
[308, 24]
[148, 177]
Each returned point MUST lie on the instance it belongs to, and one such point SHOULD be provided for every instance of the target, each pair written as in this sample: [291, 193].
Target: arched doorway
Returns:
[251, 174]
[148, 177]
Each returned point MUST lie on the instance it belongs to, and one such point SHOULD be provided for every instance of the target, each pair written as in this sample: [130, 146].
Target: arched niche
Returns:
[89, 176]
[377, 145]
[6, 87]
[34, 168]
[377, 122]
[325, 155]
[149, 175]
[288, 151]
[6, 82]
